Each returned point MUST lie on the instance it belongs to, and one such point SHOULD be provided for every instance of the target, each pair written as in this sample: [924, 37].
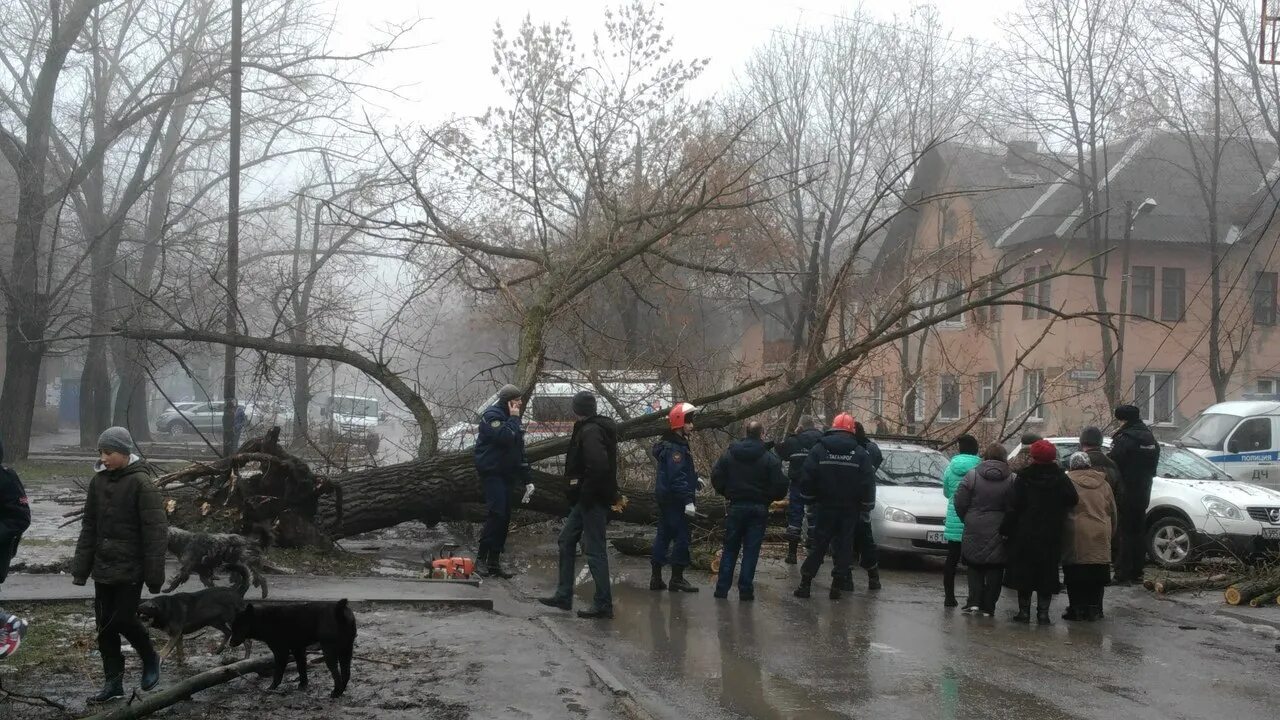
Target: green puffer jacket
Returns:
[124, 532]
[951, 479]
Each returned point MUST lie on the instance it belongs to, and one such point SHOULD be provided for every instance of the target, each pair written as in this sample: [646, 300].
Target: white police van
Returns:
[1242, 437]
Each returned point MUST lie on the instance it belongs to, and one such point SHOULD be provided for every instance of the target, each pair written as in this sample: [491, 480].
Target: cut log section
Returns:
[1266, 598]
[1244, 592]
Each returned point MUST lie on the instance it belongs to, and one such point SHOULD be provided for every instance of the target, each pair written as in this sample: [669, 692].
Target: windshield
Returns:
[1186, 465]
[1209, 431]
[357, 407]
[914, 467]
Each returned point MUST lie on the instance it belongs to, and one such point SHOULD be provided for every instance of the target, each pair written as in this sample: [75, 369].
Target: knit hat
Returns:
[1128, 413]
[116, 439]
[1079, 461]
[584, 404]
[1091, 436]
[1030, 438]
[509, 393]
[1043, 452]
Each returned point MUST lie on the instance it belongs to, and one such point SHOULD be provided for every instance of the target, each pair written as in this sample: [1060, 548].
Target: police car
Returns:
[1197, 509]
[1241, 437]
[910, 509]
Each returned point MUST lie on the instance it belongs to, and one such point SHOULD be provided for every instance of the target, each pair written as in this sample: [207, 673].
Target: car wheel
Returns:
[1169, 542]
[177, 429]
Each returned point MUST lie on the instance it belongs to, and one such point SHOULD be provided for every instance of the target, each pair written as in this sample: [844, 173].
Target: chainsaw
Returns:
[446, 564]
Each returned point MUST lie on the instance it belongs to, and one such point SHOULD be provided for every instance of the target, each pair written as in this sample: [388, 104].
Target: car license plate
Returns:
[934, 537]
[1271, 533]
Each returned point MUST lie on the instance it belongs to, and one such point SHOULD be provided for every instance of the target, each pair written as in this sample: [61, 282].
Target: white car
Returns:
[910, 509]
[1197, 509]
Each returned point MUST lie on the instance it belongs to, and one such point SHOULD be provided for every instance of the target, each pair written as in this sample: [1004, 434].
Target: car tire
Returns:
[176, 429]
[1170, 543]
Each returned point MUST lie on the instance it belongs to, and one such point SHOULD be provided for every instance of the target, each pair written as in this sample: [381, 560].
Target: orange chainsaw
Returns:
[446, 564]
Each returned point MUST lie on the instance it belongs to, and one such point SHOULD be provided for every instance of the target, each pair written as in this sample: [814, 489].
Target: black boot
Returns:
[1073, 613]
[557, 603]
[1042, 610]
[1024, 610]
[834, 593]
[804, 590]
[112, 689]
[655, 579]
[494, 568]
[678, 583]
[150, 670]
[844, 584]
[596, 613]
[873, 579]
[792, 547]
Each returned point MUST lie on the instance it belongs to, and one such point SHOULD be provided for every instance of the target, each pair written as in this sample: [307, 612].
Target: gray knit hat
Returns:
[116, 439]
[584, 404]
[509, 393]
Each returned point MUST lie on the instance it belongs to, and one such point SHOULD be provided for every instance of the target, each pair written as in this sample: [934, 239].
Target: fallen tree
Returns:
[183, 691]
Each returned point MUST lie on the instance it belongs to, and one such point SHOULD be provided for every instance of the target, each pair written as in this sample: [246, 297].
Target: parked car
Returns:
[910, 509]
[1241, 437]
[204, 416]
[1197, 509]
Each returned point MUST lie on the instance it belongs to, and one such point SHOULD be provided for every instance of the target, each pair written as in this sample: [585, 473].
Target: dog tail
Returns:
[344, 616]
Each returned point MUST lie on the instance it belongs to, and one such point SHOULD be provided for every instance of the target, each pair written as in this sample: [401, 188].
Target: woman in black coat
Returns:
[1042, 497]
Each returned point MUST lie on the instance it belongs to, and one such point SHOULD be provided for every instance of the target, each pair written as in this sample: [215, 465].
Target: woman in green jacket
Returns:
[965, 460]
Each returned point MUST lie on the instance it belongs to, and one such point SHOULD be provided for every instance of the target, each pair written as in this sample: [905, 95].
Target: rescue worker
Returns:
[1137, 454]
[795, 450]
[501, 465]
[749, 477]
[675, 489]
[864, 541]
[835, 477]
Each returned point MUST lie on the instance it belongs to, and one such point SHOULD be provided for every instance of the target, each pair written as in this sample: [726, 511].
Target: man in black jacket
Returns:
[592, 468]
[749, 475]
[15, 518]
[794, 450]
[1137, 454]
[836, 476]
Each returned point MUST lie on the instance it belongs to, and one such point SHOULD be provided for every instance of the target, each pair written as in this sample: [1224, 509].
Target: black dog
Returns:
[203, 553]
[290, 629]
[183, 613]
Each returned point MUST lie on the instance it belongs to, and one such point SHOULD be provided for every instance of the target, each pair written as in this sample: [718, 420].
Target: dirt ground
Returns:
[410, 663]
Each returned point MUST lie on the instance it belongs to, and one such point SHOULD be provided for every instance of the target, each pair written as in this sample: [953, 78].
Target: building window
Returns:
[877, 397]
[989, 313]
[1264, 298]
[1266, 386]
[949, 391]
[987, 395]
[914, 402]
[1033, 394]
[1038, 294]
[946, 289]
[1154, 396]
[1142, 296]
[1173, 294]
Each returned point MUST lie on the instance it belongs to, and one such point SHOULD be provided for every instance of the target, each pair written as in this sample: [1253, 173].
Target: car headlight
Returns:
[1218, 507]
[893, 514]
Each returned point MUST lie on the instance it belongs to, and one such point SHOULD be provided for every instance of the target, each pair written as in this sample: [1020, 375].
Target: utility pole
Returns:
[233, 234]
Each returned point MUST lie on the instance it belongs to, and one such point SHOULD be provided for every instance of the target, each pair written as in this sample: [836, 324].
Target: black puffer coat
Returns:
[15, 515]
[124, 533]
[1043, 495]
[982, 500]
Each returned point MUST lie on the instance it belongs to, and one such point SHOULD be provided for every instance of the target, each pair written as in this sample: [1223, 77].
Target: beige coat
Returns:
[1092, 522]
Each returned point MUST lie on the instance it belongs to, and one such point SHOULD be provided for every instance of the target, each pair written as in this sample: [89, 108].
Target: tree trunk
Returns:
[131, 409]
[301, 399]
[18, 396]
[95, 393]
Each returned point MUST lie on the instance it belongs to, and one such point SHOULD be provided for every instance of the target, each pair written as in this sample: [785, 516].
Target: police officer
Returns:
[864, 541]
[1136, 453]
[503, 470]
[835, 476]
[675, 488]
[795, 449]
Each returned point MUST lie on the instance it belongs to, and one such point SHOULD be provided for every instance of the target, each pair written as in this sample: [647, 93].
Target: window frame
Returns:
[877, 397]
[942, 398]
[1148, 407]
[1034, 412]
[1179, 290]
[1257, 385]
[987, 393]
[1147, 288]
[1258, 295]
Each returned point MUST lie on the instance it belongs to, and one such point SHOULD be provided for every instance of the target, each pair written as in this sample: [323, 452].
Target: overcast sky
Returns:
[450, 75]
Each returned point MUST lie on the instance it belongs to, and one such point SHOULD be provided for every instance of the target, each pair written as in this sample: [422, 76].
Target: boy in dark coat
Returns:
[592, 468]
[123, 539]
[749, 475]
[15, 518]
[1043, 495]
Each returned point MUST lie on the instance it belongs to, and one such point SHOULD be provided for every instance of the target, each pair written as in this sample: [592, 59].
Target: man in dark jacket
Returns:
[15, 518]
[503, 471]
[749, 476]
[1091, 445]
[123, 539]
[1137, 455]
[592, 468]
[795, 450]
[835, 478]
[864, 541]
[675, 488]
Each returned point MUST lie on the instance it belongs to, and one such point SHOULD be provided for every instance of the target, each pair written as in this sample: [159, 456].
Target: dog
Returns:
[290, 629]
[203, 553]
[180, 614]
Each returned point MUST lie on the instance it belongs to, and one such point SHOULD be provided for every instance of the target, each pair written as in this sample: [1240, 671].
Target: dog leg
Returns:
[170, 646]
[207, 577]
[184, 574]
[182, 650]
[282, 662]
[345, 651]
[300, 657]
[330, 651]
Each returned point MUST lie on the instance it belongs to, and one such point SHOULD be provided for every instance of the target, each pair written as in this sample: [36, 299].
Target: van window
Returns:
[553, 408]
[1253, 435]
[1209, 431]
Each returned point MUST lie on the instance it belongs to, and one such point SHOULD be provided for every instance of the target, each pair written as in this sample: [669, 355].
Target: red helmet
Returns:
[680, 415]
[843, 421]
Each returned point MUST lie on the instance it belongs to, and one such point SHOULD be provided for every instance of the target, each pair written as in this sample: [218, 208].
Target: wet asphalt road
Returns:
[898, 653]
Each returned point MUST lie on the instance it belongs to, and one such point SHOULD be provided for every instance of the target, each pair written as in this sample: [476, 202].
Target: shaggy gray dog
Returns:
[203, 553]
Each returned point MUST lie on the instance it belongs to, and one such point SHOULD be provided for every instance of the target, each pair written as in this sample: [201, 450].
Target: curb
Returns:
[445, 603]
[621, 693]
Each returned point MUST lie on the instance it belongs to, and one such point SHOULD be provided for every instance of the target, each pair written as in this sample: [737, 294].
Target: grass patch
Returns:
[58, 640]
[309, 561]
[43, 472]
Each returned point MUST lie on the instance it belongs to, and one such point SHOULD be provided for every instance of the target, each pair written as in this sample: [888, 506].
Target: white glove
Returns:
[689, 510]
[528, 494]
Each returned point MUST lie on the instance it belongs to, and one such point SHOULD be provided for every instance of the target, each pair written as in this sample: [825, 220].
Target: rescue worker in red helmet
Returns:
[835, 478]
[675, 488]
